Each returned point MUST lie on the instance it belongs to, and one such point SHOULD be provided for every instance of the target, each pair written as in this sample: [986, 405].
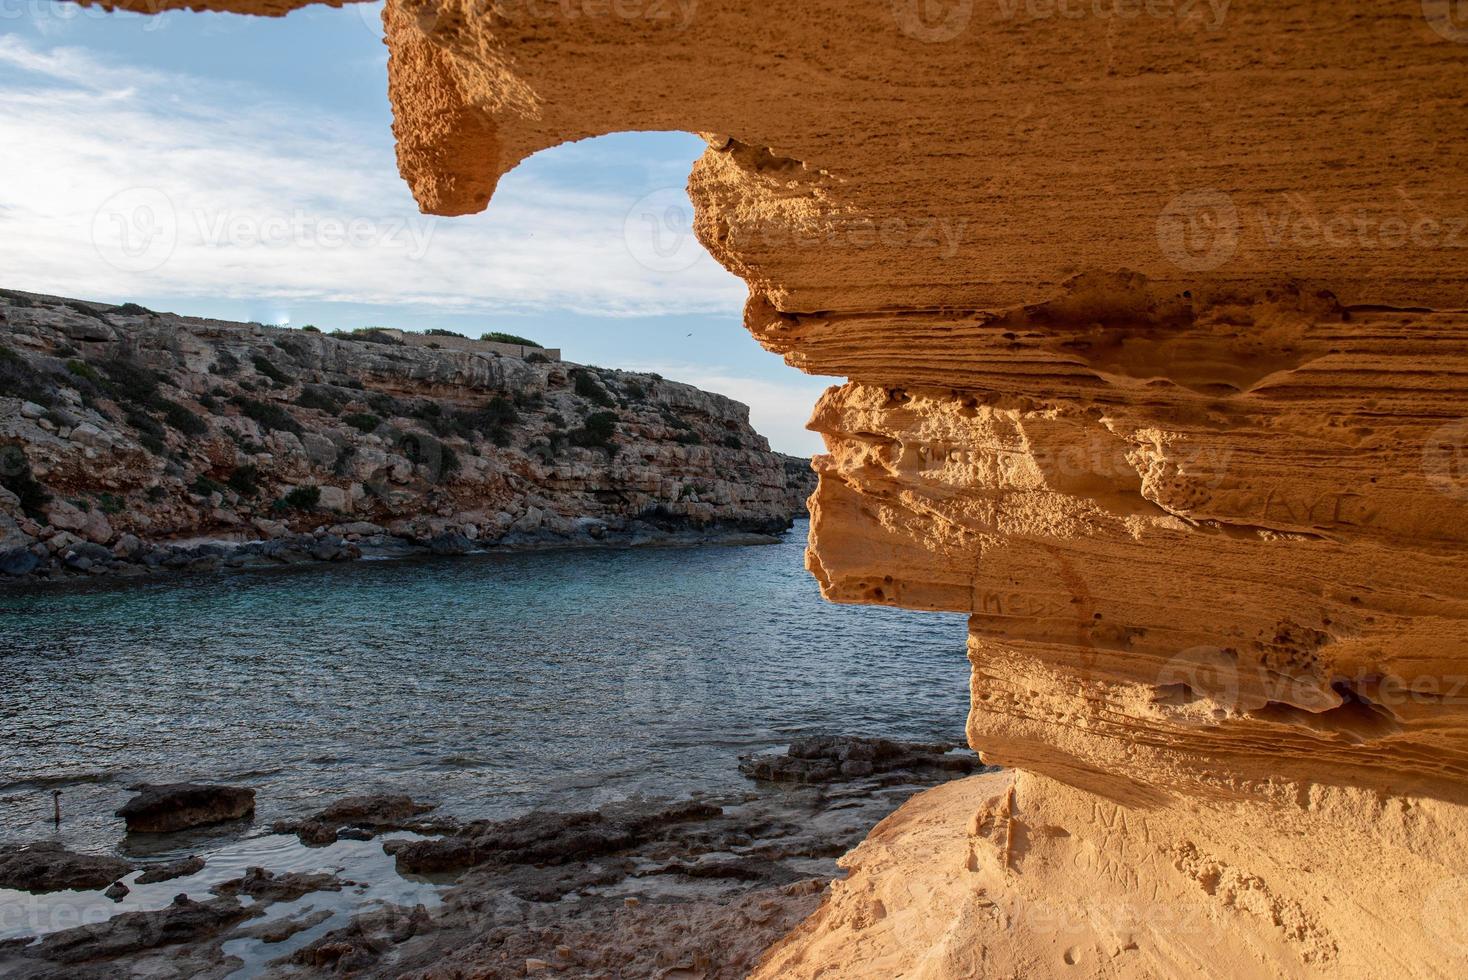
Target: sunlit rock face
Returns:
[1153, 320]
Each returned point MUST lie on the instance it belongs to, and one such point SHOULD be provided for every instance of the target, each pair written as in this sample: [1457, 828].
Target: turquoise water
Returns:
[489, 684]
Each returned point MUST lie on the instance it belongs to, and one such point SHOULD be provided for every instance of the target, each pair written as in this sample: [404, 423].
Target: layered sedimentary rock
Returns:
[1153, 320]
[122, 430]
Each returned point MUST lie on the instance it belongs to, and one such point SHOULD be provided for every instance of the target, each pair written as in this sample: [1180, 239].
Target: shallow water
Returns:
[374, 881]
[489, 684]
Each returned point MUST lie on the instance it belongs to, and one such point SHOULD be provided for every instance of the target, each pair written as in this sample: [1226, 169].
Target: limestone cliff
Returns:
[1153, 316]
[121, 427]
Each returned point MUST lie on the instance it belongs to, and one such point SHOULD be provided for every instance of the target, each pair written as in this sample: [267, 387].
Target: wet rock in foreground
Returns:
[134, 932]
[361, 817]
[265, 886]
[46, 866]
[161, 809]
[844, 757]
[546, 838]
[173, 869]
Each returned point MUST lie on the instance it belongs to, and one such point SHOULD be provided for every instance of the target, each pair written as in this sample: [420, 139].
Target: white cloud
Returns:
[122, 180]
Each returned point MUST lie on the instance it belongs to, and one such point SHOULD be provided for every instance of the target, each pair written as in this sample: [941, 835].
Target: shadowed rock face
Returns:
[1153, 325]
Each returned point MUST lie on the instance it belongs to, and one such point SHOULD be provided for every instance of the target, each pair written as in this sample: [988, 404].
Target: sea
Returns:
[489, 684]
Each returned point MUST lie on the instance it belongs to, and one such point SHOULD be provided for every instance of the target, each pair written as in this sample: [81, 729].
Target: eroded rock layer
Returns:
[1154, 320]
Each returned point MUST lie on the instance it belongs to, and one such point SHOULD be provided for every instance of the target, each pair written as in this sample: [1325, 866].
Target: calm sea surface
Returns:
[489, 684]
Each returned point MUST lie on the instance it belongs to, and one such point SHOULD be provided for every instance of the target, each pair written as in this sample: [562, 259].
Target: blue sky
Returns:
[242, 168]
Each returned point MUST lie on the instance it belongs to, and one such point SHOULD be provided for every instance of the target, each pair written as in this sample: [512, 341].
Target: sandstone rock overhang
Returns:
[1156, 324]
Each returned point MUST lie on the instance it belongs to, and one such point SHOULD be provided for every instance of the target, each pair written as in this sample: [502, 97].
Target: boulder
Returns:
[161, 809]
[361, 528]
[351, 814]
[87, 434]
[91, 523]
[319, 449]
[173, 869]
[450, 543]
[271, 529]
[88, 329]
[46, 866]
[18, 561]
[334, 499]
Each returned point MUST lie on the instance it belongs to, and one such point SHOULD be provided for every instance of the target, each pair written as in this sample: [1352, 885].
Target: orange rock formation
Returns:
[1153, 315]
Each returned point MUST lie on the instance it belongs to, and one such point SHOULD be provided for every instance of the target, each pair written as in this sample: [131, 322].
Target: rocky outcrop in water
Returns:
[168, 807]
[46, 866]
[135, 442]
[838, 758]
[362, 817]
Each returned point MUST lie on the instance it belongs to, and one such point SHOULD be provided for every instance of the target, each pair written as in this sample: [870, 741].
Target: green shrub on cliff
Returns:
[268, 414]
[364, 422]
[203, 486]
[589, 388]
[301, 498]
[183, 419]
[129, 382]
[596, 433]
[499, 337]
[82, 369]
[493, 420]
[321, 399]
[270, 371]
[245, 480]
[17, 380]
[384, 404]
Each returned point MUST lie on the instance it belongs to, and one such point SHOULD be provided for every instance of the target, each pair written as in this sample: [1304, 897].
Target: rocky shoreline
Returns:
[636, 888]
[74, 561]
[134, 442]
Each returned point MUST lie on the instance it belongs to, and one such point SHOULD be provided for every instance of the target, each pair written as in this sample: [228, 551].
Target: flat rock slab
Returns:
[168, 807]
[133, 932]
[844, 757]
[265, 886]
[361, 817]
[173, 869]
[48, 867]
